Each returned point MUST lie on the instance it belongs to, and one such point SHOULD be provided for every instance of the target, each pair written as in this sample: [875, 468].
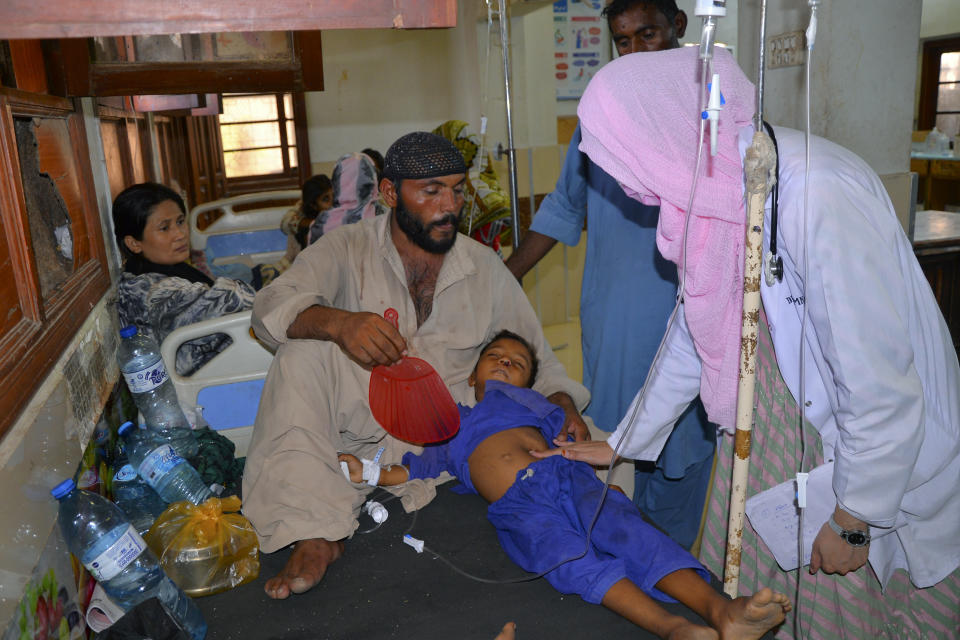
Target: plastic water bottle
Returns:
[159, 465]
[154, 394]
[116, 556]
[138, 501]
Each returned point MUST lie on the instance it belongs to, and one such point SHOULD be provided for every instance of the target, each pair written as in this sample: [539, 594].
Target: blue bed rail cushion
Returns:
[239, 244]
[231, 405]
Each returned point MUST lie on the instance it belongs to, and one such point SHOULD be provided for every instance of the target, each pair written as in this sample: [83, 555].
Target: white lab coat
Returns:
[882, 379]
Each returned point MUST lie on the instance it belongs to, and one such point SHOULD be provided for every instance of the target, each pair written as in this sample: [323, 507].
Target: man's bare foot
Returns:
[508, 632]
[749, 617]
[305, 568]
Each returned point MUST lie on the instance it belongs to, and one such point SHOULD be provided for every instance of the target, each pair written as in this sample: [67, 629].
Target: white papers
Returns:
[774, 516]
[102, 611]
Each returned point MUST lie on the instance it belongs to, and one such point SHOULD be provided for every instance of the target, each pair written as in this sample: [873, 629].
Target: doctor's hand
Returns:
[573, 424]
[596, 453]
[833, 554]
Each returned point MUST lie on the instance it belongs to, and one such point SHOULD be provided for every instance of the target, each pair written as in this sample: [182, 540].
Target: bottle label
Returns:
[146, 379]
[126, 474]
[158, 463]
[115, 559]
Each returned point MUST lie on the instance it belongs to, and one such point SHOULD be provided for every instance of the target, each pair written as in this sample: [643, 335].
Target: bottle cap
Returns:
[63, 488]
[128, 331]
[126, 426]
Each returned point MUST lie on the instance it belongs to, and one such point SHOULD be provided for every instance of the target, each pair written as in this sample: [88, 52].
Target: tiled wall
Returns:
[45, 446]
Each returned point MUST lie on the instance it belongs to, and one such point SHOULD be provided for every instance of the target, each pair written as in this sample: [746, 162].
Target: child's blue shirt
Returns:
[503, 407]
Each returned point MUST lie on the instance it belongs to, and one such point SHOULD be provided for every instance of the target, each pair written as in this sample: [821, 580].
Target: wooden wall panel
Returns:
[87, 18]
[39, 327]
[114, 155]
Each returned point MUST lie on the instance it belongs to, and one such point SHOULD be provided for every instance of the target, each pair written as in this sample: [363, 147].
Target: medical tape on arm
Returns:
[371, 472]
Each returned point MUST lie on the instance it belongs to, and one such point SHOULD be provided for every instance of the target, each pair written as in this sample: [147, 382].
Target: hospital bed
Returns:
[227, 387]
[248, 229]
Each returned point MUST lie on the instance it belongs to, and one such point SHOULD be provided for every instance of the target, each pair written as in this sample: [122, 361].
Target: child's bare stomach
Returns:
[495, 462]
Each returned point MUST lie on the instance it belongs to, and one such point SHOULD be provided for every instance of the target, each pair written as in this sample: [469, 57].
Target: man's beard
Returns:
[419, 233]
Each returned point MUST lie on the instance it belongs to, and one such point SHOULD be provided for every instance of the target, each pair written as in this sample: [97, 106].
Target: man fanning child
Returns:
[542, 510]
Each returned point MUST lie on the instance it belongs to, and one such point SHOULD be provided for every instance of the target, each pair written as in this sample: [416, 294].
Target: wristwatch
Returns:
[853, 537]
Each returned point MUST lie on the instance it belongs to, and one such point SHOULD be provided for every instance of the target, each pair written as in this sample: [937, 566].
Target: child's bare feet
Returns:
[692, 631]
[508, 632]
[749, 617]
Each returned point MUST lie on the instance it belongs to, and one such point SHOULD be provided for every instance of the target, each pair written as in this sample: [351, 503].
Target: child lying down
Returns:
[541, 509]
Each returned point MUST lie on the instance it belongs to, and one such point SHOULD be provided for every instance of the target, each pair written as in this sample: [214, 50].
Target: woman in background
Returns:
[355, 194]
[158, 290]
[486, 214]
[316, 196]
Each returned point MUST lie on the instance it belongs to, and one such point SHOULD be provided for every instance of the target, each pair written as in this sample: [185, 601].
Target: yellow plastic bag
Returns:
[206, 548]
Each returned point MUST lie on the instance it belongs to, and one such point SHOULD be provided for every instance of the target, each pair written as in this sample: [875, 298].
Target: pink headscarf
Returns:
[355, 195]
[640, 120]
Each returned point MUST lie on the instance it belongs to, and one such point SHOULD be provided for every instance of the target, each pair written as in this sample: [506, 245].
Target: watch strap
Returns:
[847, 533]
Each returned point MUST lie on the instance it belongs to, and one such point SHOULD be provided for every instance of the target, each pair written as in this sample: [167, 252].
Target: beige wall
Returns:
[863, 73]
[381, 84]
[939, 18]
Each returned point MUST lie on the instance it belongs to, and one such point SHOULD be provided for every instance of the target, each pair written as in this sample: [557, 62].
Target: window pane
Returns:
[248, 136]
[292, 151]
[291, 132]
[43, 145]
[248, 108]
[253, 163]
[950, 66]
[949, 123]
[288, 105]
[948, 97]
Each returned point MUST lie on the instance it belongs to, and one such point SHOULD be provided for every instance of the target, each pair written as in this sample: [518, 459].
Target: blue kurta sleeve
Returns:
[429, 464]
[562, 212]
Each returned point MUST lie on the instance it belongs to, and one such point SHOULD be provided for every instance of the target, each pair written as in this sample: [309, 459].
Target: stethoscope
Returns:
[773, 263]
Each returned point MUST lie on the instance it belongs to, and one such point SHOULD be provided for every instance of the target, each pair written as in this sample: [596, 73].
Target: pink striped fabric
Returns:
[828, 606]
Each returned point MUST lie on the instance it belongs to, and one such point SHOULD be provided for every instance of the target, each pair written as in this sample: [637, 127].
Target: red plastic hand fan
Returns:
[410, 401]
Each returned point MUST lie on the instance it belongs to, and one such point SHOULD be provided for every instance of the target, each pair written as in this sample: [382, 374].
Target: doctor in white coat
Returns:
[882, 383]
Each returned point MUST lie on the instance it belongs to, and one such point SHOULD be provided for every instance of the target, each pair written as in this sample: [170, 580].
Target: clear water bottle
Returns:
[152, 390]
[116, 556]
[138, 501]
[158, 463]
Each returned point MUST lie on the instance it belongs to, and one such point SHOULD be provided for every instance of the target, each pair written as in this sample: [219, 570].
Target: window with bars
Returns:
[940, 86]
[259, 134]
[947, 116]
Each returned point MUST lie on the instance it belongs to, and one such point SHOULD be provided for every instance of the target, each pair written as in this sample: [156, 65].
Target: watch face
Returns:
[856, 538]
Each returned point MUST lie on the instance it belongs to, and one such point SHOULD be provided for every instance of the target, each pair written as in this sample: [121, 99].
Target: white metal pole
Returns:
[511, 151]
[760, 168]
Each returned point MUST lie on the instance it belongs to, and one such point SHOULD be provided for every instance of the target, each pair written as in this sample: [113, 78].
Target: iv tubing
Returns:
[811, 39]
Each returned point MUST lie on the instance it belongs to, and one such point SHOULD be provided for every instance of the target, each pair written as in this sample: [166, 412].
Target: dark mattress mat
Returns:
[381, 588]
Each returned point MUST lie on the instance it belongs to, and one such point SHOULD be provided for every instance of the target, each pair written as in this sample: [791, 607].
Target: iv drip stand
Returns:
[760, 168]
[511, 150]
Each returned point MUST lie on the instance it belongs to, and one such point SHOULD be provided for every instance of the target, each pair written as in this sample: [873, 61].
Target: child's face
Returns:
[325, 200]
[506, 360]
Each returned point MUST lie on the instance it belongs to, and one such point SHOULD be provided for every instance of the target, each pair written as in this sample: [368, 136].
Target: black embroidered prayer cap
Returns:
[420, 155]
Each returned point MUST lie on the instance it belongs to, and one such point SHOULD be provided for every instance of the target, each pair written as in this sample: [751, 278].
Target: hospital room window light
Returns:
[259, 135]
[940, 86]
[948, 94]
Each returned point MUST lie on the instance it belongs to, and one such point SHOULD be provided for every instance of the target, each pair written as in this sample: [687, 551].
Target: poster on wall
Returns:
[580, 45]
